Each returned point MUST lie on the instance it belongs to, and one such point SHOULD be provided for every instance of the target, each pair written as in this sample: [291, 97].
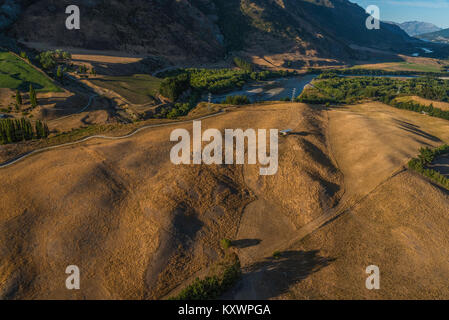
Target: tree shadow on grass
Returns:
[25, 86]
[409, 127]
[302, 133]
[275, 275]
[246, 243]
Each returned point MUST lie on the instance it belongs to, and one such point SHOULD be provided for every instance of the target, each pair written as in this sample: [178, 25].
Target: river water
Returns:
[273, 90]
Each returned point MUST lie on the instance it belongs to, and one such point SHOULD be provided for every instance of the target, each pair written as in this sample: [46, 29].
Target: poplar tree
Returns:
[38, 129]
[46, 131]
[59, 72]
[33, 99]
[18, 98]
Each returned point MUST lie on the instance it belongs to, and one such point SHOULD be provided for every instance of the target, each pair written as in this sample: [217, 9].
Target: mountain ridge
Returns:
[441, 36]
[415, 28]
[209, 30]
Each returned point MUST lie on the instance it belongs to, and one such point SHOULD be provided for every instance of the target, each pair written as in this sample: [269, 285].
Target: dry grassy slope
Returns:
[135, 224]
[306, 185]
[426, 102]
[113, 210]
[398, 222]
[402, 228]
[6, 97]
[139, 226]
[372, 141]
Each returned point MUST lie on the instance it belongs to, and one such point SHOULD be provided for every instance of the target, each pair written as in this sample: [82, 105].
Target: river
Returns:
[273, 90]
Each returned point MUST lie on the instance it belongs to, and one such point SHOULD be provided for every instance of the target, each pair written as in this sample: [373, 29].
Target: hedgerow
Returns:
[225, 274]
[424, 159]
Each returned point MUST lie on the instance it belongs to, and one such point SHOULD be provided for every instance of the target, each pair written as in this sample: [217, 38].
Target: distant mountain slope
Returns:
[9, 12]
[441, 36]
[208, 29]
[414, 28]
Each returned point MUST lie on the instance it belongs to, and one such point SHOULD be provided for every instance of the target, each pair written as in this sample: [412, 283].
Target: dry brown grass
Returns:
[397, 222]
[87, 58]
[6, 97]
[437, 104]
[140, 227]
[407, 63]
[402, 228]
[60, 110]
[135, 224]
[371, 141]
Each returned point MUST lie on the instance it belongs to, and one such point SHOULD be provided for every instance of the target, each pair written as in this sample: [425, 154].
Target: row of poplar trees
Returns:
[16, 130]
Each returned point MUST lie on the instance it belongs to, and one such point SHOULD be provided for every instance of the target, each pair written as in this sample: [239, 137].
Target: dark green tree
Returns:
[59, 73]
[18, 98]
[33, 98]
[38, 129]
[173, 87]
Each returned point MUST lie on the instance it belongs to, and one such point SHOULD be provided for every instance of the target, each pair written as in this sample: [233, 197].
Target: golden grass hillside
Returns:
[139, 226]
[426, 102]
[402, 228]
[388, 217]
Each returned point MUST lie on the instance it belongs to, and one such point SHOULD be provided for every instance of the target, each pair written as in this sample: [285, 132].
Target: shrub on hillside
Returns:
[173, 87]
[225, 244]
[243, 64]
[225, 274]
[50, 59]
[425, 158]
[237, 100]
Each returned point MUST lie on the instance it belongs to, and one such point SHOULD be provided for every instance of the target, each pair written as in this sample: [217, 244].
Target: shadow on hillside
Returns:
[409, 127]
[24, 87]
[302, 133]
[335, 107]
[433, 183]
[273, 277]
[48, 101]
[442, 189]
[246, 243]
[62, 106]
[441, 164]
[57, 107]
[318, 155]
[123, 68]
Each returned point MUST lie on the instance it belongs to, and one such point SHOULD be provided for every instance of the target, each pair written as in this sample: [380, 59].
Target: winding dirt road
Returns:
[29, 154]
